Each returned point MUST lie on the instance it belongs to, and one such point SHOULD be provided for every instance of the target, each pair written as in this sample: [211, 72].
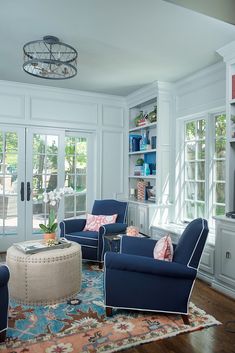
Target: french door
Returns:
[34, 160]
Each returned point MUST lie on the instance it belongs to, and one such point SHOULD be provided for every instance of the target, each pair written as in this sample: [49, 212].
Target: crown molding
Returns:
[32, 89]
[227, 51]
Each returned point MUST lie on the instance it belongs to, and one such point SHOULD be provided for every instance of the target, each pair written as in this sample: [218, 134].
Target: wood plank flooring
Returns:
[210, 340]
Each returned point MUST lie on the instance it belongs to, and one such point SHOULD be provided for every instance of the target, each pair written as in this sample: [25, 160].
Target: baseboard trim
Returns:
[225, 290]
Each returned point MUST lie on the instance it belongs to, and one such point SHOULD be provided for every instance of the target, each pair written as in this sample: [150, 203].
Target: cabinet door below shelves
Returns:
[225, 254]
[132, 215]
[138, 217]
[142, 217]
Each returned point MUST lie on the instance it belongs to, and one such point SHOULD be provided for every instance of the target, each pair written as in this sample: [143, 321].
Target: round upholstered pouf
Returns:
[45, 278]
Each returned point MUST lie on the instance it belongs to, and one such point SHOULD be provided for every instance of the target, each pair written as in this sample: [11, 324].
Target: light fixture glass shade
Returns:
[50, 59]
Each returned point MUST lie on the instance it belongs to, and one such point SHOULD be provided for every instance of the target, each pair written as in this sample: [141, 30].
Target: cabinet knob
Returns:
[228, 255]
[141, 226]
[132, 223]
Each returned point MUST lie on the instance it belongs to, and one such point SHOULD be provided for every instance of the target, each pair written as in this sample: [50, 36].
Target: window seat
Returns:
[175, 230]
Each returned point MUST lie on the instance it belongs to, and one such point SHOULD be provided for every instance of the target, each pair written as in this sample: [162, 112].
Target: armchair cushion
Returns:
[94, 222]
[88, 238]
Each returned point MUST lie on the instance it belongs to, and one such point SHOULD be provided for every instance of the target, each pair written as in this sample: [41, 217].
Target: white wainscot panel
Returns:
[12, 106]
[112, 164]
[65, 111]
[113, 116]
[206, 97]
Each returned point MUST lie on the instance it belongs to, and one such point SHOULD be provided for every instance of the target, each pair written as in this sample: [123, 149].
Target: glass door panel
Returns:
[76, 150]
[12, 186]
[42, 173]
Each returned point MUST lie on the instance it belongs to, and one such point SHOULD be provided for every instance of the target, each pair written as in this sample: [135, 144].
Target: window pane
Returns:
[81, 203]
[190, 209]
[70, 180]
[80, 183]
[200, 170]
[39, 144]
[51, 182]
[220, 126]
[190, 151]
[201, 191]
[220, 147]
[201, 128]
[11, 141]
[220, 193]
[52, 144]
[200, 210]
[219, 170]
[190, 171]
[190, 191]
[219, 210]
[69, 203]
[201, 150]
[190, 131]
[51, 163]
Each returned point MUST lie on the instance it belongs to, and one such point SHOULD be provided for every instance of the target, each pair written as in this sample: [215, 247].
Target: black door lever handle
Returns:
[28, 191]
[22, 191]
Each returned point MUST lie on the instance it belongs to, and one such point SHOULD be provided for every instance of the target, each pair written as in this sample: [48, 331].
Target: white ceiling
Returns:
[122, 44]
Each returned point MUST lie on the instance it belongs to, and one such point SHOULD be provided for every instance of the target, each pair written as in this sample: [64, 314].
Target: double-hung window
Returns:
[203, 172]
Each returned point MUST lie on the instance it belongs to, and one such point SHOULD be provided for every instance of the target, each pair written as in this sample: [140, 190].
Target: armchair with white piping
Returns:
[135, 280]
[92, 242]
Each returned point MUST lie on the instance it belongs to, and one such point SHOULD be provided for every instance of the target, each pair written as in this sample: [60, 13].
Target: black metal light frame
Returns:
[50, 59]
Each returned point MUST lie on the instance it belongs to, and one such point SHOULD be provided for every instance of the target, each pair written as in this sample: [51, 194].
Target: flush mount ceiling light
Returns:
[49, 58]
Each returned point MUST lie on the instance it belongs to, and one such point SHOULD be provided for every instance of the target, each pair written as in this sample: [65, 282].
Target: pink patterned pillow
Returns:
[93, 222]
[163, 249]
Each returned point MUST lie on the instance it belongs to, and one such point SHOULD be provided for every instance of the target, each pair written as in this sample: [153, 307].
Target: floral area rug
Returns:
[84, 328]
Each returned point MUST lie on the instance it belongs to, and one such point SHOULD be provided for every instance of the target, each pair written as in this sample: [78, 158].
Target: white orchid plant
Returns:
[53, 199]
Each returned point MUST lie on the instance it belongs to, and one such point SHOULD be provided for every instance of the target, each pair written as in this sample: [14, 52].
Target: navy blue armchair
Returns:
[92, 242]
[4, 299]
[133, 279]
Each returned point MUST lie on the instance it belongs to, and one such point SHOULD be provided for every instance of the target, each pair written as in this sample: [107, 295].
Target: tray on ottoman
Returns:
[33, 247]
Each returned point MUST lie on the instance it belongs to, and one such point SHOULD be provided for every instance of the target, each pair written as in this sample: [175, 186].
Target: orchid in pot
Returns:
[53, 199]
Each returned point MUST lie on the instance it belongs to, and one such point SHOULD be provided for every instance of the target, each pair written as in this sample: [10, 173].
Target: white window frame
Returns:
[209, 161]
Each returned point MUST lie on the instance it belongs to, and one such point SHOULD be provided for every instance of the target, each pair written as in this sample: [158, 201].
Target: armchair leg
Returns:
[3, 335]
[108, 311]
[185, 319]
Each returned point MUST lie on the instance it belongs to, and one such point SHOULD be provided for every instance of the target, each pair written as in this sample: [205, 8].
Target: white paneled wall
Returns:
[201, 92]
[104, 115]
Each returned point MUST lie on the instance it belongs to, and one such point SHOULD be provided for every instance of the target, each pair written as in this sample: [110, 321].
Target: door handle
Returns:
[28, 191]
[22, 191]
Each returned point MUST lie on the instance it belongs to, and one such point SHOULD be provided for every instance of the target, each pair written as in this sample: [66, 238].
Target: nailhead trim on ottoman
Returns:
[45, 278]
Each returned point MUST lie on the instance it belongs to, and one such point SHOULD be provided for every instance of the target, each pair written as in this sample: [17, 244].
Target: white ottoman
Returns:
[45, 278]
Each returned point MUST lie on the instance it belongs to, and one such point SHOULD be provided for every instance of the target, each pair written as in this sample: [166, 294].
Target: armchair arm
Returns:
[137, 246]
[146, 265]
[112, 228]
[71, 225]
[4, 275]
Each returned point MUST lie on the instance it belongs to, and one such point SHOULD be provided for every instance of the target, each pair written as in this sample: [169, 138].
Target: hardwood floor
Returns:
[210, 340]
